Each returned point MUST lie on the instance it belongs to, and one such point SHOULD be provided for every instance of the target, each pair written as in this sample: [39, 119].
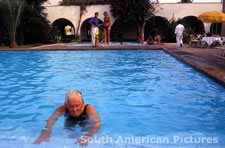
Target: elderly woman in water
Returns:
[75, 112]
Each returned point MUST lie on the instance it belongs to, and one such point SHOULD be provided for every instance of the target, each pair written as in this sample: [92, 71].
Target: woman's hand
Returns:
[84, 140]
[45, 136]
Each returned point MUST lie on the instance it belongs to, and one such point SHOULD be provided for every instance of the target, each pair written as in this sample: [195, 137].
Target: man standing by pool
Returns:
[179, 34]
[75, 112]
[94, 21]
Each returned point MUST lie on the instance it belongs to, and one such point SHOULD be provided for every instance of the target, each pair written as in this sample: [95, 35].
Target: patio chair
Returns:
[204, 44]
[194, 41]
[216, 43]
[201, 43]
[197, 42]
[223, 40]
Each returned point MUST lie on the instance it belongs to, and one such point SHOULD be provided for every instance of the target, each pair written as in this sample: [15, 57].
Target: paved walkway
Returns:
[203, 60]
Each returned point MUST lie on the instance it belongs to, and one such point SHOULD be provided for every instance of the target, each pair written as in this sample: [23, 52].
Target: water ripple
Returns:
[135, 92]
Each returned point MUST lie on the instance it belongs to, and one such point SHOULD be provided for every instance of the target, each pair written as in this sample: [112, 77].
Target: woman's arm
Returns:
[46, 131]
[110, 22]
[95, 119]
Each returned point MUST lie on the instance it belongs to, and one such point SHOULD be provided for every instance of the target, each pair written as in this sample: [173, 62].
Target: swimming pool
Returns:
[112, 44]
[139, 94]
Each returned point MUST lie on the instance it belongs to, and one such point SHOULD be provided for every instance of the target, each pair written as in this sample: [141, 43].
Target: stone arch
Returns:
[124, 30]
[193, 23]
[159, 25]
[215, 29]
[85, 32]
[65, 29]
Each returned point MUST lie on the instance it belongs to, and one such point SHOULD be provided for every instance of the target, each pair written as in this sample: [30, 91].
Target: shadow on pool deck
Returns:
[203, 60]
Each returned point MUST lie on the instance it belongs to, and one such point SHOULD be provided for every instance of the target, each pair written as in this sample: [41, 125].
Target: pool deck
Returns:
[203, 60]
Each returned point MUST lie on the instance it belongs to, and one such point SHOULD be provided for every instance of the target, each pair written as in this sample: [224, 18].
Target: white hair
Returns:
[74, 93]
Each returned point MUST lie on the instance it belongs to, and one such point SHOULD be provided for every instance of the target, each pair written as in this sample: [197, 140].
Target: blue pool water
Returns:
[138, 94]
[113, 44]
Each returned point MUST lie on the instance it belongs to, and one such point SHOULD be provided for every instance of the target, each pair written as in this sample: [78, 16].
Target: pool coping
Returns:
[194, 61]
[186, 54]
[55, 47]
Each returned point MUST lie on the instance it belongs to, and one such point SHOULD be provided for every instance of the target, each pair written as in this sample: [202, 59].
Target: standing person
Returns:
[94, 21]
[179, 34]
[97, 39]
[158, 38]
[150, 40]
[107, 27]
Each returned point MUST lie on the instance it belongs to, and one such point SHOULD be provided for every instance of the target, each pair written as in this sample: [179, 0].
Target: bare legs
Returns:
[106, 35]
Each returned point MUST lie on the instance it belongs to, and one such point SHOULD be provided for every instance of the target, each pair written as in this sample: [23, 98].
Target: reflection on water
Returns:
[136, 93]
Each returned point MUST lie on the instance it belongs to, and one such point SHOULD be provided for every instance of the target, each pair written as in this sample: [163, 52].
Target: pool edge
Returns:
[198, 67]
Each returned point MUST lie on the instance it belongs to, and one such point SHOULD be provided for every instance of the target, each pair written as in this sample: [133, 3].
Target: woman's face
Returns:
[74, 105]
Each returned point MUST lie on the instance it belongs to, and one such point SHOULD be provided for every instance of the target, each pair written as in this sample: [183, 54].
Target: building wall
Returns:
[70, 13]
[181, 10]
[167, 10]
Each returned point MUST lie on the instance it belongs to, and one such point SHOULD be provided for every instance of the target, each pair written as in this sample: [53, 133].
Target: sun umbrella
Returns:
[212, 17]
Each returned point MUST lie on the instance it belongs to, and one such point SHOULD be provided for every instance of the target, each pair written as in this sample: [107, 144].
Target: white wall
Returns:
[180, 10]
[71, 13]
[167, 10]
[52, 3]
[97, 8]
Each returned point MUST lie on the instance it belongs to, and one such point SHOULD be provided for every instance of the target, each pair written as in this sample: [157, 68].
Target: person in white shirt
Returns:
[179, 34]
[94, 21]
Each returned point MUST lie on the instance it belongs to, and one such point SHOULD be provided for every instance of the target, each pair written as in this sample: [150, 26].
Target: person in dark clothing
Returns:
[71, 121]
[75, 112]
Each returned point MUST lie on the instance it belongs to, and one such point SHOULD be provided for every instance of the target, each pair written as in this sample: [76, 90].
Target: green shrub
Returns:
[101, 35]
[187, 33]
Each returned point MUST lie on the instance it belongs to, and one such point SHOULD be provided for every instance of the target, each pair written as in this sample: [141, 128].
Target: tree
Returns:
[34, 26]
[186, 1]
[4, 38]
[12, 10]
[85, 2]
[139, 10]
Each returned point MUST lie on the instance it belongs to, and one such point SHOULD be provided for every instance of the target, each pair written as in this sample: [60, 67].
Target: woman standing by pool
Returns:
[107, 27]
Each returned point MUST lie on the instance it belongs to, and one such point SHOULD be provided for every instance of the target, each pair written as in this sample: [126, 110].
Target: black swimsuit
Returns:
[106, 21]
[71, 121]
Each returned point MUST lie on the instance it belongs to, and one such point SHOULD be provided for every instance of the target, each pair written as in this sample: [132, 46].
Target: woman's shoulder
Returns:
[90, 109]
[106, 17]
[62, 108]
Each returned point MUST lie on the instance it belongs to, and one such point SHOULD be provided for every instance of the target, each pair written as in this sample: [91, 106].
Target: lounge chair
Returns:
[197, 41]
[216, 43]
